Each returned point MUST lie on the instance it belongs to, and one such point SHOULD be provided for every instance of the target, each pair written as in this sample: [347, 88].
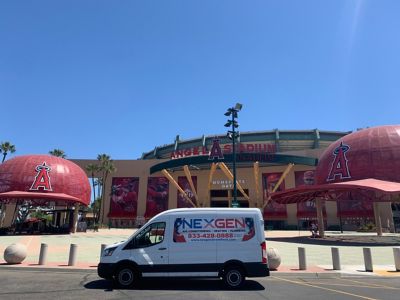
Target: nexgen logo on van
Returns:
[212, 223]
[225, 229]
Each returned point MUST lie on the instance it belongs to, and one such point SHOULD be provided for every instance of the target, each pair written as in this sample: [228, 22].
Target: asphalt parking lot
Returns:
[83, 284]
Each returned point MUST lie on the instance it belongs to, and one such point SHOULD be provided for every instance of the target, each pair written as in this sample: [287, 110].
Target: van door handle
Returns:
[162, 248]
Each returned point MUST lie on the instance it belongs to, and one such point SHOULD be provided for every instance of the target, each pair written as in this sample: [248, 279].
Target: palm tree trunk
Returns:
[4, 156]
[99, 184]
[103, 197]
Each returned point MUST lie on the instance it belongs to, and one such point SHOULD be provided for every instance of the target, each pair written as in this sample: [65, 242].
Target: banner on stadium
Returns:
[124, 197]
[273, 209]
[355, 208]
[183, 182]
[306, 209]
[157, 196]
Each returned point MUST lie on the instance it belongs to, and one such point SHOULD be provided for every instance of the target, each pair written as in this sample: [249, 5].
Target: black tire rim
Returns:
[125, 277]
[234, 278]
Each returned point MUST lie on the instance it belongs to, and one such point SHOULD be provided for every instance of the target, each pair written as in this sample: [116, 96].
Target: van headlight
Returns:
[109, 251]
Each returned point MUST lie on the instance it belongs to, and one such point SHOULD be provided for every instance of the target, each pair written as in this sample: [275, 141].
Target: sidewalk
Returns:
[318, 251]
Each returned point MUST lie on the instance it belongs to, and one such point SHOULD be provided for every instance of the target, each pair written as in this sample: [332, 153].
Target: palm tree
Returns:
[99, 183]
[106, 167]
[95, 208]
[92, 169]
[5, 148]
[58, 153]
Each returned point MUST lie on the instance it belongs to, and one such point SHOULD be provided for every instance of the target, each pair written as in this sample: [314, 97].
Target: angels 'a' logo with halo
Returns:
[339, 167]
[42, 178]
[215, 152]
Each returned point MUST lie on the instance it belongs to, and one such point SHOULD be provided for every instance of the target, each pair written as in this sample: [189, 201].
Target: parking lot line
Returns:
[351, 285]
[326, 289]
[371, 284]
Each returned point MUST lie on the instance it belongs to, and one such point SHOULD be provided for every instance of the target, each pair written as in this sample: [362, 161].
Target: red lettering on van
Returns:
[220, 223]
[240, 223]
[230, 223]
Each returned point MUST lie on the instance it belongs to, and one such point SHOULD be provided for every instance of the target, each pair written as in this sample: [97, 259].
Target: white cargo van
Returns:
[191, 242]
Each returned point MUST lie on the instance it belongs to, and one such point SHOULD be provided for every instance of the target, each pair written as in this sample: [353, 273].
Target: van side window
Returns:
[151, 235]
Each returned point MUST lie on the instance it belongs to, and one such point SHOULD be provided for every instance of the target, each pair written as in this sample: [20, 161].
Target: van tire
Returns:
[126, 276]
[233, 277]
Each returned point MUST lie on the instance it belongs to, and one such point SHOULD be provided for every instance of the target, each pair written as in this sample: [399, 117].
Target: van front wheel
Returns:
[126, 277]
[234, 277]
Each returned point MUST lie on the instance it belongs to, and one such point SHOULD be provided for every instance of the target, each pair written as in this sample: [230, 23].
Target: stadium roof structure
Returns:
[284, 140]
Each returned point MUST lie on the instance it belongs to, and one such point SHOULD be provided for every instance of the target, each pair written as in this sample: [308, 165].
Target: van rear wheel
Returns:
[233, 277]
[126, 277]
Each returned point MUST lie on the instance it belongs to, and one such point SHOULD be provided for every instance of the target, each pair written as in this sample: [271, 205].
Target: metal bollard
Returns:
[368, 260]
[336, 259]
[302, 258]
[103, 246]
[43, 254]
[396, 254]
[72, 255]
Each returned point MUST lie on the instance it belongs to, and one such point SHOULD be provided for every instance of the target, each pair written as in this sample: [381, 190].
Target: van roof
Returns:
[208, 209]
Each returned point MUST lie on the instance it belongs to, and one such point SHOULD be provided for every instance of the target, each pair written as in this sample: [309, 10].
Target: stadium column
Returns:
[320, 216]
[378, 222]
[207, 203]
[2, 214]
[75, 219]
[256, 170]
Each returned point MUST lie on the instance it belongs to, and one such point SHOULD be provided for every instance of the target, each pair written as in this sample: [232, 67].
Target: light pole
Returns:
[232, 134]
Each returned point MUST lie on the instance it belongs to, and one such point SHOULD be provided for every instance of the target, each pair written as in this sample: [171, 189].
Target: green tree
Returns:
[6, 147]
[95, 209]
[40, 215]
[58, 153]
[106, 167]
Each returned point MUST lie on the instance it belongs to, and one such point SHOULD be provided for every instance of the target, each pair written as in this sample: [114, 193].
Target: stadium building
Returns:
[342, 180]
[197, 172]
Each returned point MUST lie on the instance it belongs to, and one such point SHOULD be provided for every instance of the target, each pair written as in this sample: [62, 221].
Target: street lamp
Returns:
[232, 134]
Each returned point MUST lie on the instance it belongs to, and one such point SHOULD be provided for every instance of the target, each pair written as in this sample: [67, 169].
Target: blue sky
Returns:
[121, 77]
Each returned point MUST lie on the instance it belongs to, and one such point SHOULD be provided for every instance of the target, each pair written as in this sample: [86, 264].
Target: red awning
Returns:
[39, 198]
[331, 190]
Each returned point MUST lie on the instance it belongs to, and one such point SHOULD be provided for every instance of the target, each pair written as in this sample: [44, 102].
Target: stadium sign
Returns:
[248, 148]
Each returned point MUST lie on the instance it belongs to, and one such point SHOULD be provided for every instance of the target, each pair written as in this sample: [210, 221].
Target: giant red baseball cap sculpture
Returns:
[365, 163]
[43, 179]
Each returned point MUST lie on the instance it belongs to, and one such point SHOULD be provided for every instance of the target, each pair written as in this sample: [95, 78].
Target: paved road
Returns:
[34, 284]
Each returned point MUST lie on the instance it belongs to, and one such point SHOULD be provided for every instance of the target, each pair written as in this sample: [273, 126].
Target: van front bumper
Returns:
[105, 270]
[256, 270]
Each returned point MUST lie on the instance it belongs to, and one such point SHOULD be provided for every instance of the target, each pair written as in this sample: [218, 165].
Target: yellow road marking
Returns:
[387, 273]
[354, 285]
[371, 284]
[327, 289]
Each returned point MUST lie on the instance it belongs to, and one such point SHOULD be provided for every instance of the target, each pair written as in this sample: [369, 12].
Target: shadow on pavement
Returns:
[177, 285]
[355, 241]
